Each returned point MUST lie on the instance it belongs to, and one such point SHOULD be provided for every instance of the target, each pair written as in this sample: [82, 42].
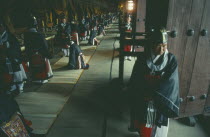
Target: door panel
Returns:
[206, 41]
[201, 73]
[190, 51]
[178, 20]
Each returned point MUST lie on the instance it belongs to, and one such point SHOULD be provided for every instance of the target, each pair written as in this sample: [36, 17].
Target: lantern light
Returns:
[130, 5]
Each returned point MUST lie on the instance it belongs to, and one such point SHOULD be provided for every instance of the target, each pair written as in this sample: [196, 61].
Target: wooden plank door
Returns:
[184, 15]
[206, 41]
[190, 57]
[200, 81]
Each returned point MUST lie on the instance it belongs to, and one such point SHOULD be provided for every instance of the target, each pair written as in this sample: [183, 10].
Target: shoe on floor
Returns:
[44, 81]
[87, 66]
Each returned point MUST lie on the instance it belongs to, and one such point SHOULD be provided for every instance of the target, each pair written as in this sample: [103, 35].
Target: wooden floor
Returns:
[42, 103]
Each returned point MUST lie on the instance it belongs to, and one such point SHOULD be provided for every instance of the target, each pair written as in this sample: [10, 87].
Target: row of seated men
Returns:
[87, 29]
[14, 68]
[35, 66]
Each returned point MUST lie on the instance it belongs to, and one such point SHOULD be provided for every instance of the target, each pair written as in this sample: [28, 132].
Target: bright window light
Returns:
[130, 5]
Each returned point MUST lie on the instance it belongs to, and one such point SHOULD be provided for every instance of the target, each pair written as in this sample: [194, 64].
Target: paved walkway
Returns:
[42, 103]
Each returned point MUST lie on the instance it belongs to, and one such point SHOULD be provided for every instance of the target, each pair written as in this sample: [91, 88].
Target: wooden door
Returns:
[184, 16]
[200, 80]
[187, 18]
[206, 41]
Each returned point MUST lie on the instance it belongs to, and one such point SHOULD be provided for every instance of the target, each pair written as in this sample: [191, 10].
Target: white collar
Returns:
[154, 58]
[63, 24]
[32, 30]
[2, 35]
[151, 61]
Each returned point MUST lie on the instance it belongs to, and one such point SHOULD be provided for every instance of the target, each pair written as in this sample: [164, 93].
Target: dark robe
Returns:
[63, 35]
[160, 86]
[93, 33]
[75, 57]
[87, 25]
[75, 28]
[12, 52]
[8, 107]
[66, 30]
[100, 28]
[75, 32]
[35, 41]
[82, 28]
[10, 60]
[38, 55]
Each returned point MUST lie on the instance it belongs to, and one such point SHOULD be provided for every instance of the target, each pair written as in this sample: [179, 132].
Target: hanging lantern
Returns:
[130, 5]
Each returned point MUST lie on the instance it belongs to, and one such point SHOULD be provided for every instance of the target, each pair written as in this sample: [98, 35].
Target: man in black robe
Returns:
[64, 35]
[76, 58]
[93, 33]
[11, 68]
[154, 88]
[83, 29]
[38, 53]
[75, 30]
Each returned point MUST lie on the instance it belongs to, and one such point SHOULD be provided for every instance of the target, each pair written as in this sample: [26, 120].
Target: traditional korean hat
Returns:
[62, 16]
[32, 22]
[159, 36]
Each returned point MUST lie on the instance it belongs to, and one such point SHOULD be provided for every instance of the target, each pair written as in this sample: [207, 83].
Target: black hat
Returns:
[62, 16]
[159, 36]
[32, 22]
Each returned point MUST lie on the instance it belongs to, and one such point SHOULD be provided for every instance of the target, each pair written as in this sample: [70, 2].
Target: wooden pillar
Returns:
[8, 22]
[141, 13]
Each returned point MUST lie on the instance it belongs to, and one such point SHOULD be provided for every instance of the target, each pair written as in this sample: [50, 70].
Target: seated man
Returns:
[75, 31]
[101, 30]
[76, 57]
[63, 35]
[92, 40]
[12, 121]
[83, 30]
[38, 54]
[11, 69]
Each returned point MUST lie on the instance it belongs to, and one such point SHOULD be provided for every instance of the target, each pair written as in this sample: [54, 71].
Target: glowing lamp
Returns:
[130, 5]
